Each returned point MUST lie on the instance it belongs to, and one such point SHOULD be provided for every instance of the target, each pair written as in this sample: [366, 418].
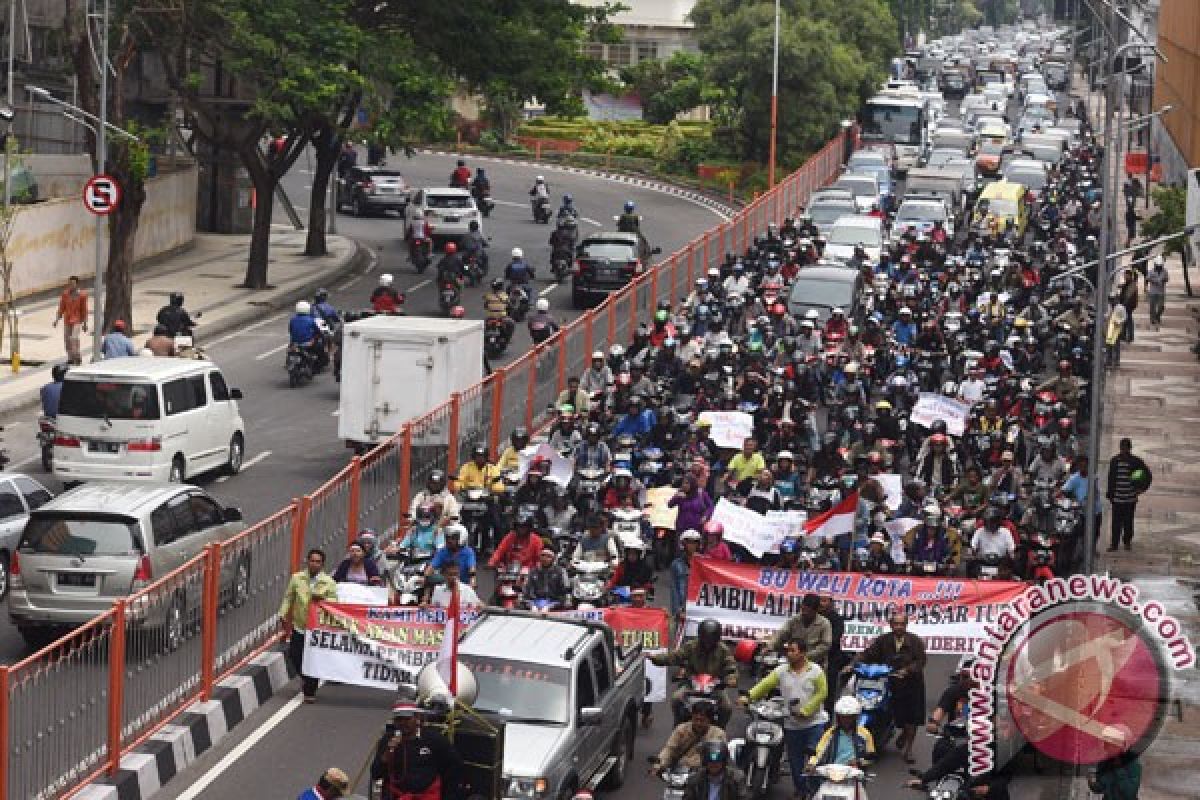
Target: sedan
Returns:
[922, 213]
[850, 232]
[823, 289]
[449, 211]
[825, 212]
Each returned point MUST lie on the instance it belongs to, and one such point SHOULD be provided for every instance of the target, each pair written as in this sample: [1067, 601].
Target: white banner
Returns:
[660, 515]
[787, 523]
[359, 595]
[896, 529]
[561, 469]
[730, 429]
[893, 488]
[751, 530]
[931, 407]
[656, 680]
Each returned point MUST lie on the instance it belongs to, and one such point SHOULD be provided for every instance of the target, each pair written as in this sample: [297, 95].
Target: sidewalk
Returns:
[207, 274]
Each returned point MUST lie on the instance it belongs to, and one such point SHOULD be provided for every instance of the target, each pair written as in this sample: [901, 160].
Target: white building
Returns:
[654, 29]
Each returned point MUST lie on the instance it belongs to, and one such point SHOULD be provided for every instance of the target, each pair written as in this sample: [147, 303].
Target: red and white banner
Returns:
[384, 646]
[753, 601]
[836, 521]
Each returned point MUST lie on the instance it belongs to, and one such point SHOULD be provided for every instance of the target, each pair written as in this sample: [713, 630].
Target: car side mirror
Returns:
[233, 514]
[591, 715]
[236, 394]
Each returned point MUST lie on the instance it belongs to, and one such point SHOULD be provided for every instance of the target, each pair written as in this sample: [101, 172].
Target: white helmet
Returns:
[518, 252]
[1158, 261]
[385, 279]
[455, 530]
[303, 307]
[539, 179]
[543, 304]
[690, 536]
[812, 314]
[847, 706]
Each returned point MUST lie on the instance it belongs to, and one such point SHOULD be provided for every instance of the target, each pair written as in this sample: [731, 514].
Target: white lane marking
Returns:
[247, 464]
[510, 203]
[590, 221]
[238, 333]
[350, 283]
[24, 461]
[420, 285]
[548, 289]
[232, 757]
[271, 352]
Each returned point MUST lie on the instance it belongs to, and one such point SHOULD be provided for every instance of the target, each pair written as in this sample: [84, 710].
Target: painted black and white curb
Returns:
[199, 728]
[723, 210]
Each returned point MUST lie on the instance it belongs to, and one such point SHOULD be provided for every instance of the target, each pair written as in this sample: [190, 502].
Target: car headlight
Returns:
[519, 788]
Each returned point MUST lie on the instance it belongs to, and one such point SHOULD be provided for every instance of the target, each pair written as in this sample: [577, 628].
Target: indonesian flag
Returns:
[447, 664]
[835, 521]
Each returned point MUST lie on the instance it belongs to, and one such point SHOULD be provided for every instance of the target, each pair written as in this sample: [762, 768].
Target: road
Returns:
[291, 443]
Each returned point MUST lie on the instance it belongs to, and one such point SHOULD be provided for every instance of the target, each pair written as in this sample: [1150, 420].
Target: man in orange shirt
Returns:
[73, 311]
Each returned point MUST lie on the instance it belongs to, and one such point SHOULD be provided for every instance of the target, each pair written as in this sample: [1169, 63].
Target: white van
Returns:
[147, 419]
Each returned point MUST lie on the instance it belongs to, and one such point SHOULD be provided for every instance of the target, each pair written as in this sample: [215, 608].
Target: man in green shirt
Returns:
[303, 587]
[742, 468]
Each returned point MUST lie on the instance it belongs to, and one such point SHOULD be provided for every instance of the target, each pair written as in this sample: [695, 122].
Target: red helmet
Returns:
[451, 248]
[938, 438]
[714, 527]
[1064, 364]
[1065, 423]
[744, 651]
[778, 309]
[458, 312]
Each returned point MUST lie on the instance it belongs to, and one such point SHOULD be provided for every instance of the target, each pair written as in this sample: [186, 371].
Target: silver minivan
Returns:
[19, 494]
[147, 419]
[99, 542]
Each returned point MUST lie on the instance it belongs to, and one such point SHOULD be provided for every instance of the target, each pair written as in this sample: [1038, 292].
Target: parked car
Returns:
[449, 211]
[825, 288]
[372, 190]
[98, 543]
[604, 263]
[19, 494]
[147, 419]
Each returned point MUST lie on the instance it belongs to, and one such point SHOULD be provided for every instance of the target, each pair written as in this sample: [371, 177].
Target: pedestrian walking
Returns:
[73, 312]
[1113, 332]
[311, 583]
[1129, 298]
[1131, 222]
[332, 784]
[1156, 290]
[116, 343]
[904, 652]
[1128, 478]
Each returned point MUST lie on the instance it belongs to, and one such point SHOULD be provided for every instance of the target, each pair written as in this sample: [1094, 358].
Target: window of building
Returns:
[620, 55]
[594, 50]
[647, 51]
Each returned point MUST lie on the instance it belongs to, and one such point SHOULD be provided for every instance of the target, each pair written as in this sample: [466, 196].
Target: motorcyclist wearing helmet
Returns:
[704, 655]
[938, 466]
[451, 267]
[479, 474]
[539, 195]
[52, 391]
[519, 272]
[521, 544]
[510, 459]
[593, 452]
[425, 534]
[438, 495]
[598, 376]
[846, 742]
[567, 210]
[1064, 384]
[837, 326]
[562, 241]
[685, 746]
[628, 221]
[624, 491]
[638, 420]
[597, 543]
[385, 299]
[929, 541]
[788, 480]
[537, 490]
[304, 333]
[474, 246]
[495, 306]
[566, 436]
[325, 310]
[634, 571]
[542, 325]
[547, 581]
[992, 538]
[828, 461]
[175, 318]
[481, 186]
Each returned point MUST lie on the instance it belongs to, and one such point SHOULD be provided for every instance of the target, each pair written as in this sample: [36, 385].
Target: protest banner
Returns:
[561, 469]
[897, 529]
[931, 407]
[893, 488]
[659, 514]
[749, 529]
[949, 614]
[787, 523]
[729, 428]
[355, 594]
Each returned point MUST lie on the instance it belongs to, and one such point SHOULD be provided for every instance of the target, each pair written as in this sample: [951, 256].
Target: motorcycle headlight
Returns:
[677, 779]
[526, 788]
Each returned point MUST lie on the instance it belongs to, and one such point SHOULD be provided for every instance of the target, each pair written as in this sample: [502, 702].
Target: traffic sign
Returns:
[102, 195]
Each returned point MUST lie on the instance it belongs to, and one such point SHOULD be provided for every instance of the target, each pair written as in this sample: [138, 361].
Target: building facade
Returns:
[1177, 82]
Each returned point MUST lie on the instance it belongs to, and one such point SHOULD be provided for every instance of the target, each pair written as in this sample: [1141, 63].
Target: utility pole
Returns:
[101, 165]
[774, 103]
[8, 98]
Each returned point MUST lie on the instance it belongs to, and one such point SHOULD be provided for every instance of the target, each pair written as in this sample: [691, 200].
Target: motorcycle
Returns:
[675, 782]
[871, 685]
[47, 427]
[560, 265]
[4, 459]
[541, 210]
[518, 302]
[760, 753]
[627, 527]
[587, 583]
[420, 252]
[986, 567]
[700, 686]
[449, 293]
[841, 782]
[588, 483]
[408, 575]
[299, 365]
[495, 336]
[510, 582]
[483, 200]
[476, 505]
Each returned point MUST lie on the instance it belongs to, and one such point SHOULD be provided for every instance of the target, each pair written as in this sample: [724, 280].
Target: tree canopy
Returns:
[668, 88]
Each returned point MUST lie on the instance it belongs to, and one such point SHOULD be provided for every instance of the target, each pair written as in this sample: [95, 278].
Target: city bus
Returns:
[900, 119]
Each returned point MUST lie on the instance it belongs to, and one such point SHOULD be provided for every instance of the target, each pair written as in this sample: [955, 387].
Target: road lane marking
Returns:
[420, 285]
[548, 289]
[245, 329]
[350, 283]
[234, 755]
[24, 461]
[247, 464]
[271, 352]
[591, 222]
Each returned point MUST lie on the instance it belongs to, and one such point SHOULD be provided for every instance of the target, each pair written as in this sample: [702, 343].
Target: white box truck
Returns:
[395, 369]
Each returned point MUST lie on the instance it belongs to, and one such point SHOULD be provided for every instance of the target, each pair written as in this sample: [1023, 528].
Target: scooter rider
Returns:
[548, 580]
[385, 298]
[303, 332]
[461, 177]
[519, 272]
[480, 185]
[324, 309]
[520, 544]
[52, 391]
[597, 544]
[435, 493]
[540, 193]
[684, 748]
[567, 210]
[846, 742]
[451, 267]
[474, 245]
[175, 318]
[597, 377]
[704, 655]
[629, 222]
[541, 325]
[495, 306]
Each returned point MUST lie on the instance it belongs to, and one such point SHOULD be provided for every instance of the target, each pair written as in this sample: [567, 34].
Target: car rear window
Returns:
[609, 250]
[830, 294]
[853, 234]
[447, 201]
[108, 399]
[75, 534]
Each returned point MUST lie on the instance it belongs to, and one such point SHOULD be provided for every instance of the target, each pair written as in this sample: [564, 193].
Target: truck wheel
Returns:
[622, 751]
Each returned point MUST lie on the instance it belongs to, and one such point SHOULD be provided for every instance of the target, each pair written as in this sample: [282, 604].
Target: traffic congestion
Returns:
[746, 551]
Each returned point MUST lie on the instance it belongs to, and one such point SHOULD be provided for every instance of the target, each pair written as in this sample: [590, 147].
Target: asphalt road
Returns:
[291, 442]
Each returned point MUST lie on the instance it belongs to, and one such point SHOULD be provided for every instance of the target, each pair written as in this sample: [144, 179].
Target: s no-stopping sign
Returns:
[102, 195]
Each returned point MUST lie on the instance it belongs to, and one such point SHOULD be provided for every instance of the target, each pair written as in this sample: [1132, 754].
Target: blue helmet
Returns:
[629, 206]
[901, 361]
[566, 199]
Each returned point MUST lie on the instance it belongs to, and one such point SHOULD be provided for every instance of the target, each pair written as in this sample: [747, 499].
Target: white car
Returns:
[849, 232]
[449, 211]
[921, 213]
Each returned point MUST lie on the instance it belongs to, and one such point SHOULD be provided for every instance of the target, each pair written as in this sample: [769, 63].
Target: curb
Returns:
[616, 177]
[150, 766]
[362, 259]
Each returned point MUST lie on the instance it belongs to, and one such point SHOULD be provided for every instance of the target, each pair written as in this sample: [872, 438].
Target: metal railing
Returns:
[69, 711]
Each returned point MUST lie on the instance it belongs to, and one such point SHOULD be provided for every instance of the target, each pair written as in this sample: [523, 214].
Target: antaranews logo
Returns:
[1078, 668]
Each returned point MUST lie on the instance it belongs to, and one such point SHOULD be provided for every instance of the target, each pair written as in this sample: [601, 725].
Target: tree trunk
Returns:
[122, 231]
[264, 181]
[327, 145]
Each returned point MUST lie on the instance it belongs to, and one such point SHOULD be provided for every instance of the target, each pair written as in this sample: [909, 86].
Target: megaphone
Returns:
[431, 687]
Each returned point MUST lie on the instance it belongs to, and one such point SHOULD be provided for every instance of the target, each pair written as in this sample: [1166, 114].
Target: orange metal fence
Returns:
[69, 711]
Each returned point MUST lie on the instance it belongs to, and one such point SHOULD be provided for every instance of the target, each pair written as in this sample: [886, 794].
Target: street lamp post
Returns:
[101, 166]
[774, 102]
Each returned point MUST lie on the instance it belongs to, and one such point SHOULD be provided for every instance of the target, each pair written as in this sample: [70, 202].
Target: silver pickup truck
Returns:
[568, 698]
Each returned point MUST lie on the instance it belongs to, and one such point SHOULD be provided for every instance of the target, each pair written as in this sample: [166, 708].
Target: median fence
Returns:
[69, 711]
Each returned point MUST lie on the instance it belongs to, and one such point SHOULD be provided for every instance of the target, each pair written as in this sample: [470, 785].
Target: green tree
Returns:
[831, 57]
[1170, 217]
[667, 88]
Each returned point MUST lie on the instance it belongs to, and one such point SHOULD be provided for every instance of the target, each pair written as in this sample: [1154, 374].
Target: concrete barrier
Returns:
[56, 238]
